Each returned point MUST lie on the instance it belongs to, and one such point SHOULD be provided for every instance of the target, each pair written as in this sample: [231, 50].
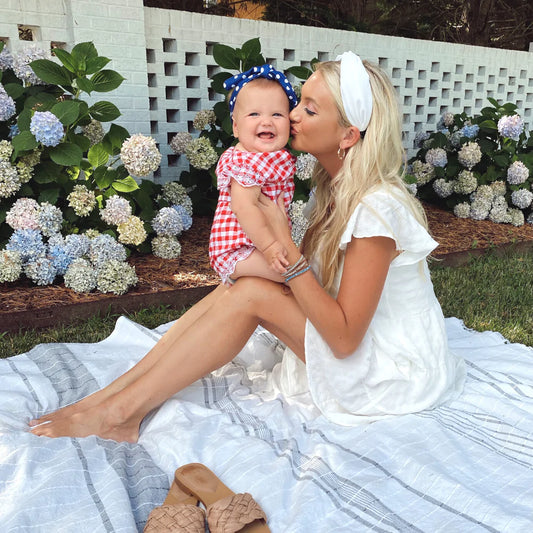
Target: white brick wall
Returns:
[166, 57]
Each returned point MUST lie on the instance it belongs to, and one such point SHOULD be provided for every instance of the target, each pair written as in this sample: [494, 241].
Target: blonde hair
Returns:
[374, 161]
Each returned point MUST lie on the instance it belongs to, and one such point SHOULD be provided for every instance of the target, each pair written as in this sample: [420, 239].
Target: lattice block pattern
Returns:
[430, 77]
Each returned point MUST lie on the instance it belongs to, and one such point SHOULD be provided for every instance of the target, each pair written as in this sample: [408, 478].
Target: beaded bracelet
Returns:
[297, 274]
[293, 268]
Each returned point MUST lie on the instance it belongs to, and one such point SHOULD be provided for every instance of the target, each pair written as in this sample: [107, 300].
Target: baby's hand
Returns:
[276, 256]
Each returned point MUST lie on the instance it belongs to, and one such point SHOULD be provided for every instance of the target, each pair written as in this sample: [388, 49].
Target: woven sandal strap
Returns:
[176, 518]
[231, 514]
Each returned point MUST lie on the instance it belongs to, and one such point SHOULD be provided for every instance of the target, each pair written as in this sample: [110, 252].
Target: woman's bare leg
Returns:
[256, 265]
[181, 325]
[210, 342]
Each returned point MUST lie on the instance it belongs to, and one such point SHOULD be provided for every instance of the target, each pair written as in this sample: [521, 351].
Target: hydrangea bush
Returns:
[480, 167]
[215, 131]
[72, 199]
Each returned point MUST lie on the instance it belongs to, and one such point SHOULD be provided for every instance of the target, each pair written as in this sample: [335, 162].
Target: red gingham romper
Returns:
[273, 172]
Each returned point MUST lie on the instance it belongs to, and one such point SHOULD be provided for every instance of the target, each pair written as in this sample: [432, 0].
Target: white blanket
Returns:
[463, 467]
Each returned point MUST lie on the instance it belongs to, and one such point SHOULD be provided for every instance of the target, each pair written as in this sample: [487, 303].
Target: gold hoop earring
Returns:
[341, 153]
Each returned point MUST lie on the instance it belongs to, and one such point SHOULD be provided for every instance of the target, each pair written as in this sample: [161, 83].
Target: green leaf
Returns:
[96, 64]
[14, 90]
[66, 154]
[252, 47]
[488, 125]
[68, 61]
[127, 184]
[493, 102]
[67, 111]
[97, 155]
[226, 57]
[51, 72]
[104, 176]
[106, 80]
[302, 73]
[114, 138]
[49, 195]
[84, 84]
[80, 140]
[46, 172]
[104, 111]
[24, 141]
[82, 52]
[217, 81]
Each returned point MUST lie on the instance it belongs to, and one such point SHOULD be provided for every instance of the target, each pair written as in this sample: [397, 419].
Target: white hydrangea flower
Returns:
[436, 157]
[499, 211]
[82, 200]
[94, 131]
[443, 188]
[201, 153]
[423, 172]
[517, 173]
[9, 179]
[517, 217]
[469, 155]
[299, 221]
[117, 210]
[116, 277]
[180, 141]
[522, 198]
[6, 149]
[499, 188]
[80, 276]
[204, 118]
[166, 247]
[462, 210]
[132, 231]
[140, 155]
[465, 183]
[10, 265]
[305, 164]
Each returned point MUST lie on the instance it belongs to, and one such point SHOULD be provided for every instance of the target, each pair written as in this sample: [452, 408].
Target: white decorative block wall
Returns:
[167, 59]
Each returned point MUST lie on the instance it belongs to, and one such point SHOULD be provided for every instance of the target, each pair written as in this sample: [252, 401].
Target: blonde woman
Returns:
[364, 332]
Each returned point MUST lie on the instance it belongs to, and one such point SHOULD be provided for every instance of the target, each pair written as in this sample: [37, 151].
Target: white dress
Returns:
[403, 365]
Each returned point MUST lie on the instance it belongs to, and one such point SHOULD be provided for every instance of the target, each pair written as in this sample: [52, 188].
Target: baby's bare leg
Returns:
[177, 329]
[256, 265]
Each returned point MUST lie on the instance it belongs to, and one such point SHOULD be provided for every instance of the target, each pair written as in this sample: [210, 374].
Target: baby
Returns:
[241, 241]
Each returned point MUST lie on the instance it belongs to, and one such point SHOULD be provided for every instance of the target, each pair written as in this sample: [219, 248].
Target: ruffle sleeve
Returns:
[382, 215]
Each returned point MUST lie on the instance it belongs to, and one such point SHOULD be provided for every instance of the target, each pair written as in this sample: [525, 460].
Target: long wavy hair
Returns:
[375, 161]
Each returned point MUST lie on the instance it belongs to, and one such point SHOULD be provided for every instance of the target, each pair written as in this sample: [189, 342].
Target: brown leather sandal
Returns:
[227, 512]
[179, 513]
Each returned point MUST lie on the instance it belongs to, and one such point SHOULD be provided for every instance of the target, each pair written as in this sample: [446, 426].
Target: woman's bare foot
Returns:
[101, 420]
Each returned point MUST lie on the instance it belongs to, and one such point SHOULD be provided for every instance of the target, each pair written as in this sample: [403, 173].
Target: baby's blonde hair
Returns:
[374, 161]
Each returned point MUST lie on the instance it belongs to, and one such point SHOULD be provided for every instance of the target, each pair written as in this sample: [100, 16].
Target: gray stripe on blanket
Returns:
[67, 374]
[26, 382]
[347, 496]
[467, 426]
[106, 522]
[145, 483]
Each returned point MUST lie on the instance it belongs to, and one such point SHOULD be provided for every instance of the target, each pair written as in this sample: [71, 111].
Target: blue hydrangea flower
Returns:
[13, 130]
[46, 128]
[6, 59]
[469, 131]
[436, 157]
[105, 248]
[77, 245]
[49, 218]
[7, 105]
[41, 271]
[60, 258]
[28, 242]
[167, 222]
[186, 219]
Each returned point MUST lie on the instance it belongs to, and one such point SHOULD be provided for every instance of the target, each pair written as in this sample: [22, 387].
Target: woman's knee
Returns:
[253, 291]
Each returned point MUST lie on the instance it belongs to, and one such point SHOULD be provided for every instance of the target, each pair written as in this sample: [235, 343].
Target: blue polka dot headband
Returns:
[267, 71]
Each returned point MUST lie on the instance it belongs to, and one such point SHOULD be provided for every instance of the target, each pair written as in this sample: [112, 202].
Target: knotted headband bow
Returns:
[355, 90]
[267, 71]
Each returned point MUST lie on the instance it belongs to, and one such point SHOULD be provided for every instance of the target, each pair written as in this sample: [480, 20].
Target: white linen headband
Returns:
[355, 90]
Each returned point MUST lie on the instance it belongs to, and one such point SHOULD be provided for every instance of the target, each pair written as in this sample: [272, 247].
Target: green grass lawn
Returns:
[489, 293]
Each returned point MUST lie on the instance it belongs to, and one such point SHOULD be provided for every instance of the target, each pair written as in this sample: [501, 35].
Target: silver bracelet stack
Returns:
[297, 269]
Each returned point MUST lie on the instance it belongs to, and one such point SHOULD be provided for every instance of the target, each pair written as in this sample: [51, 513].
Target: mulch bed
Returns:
[180, 282]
